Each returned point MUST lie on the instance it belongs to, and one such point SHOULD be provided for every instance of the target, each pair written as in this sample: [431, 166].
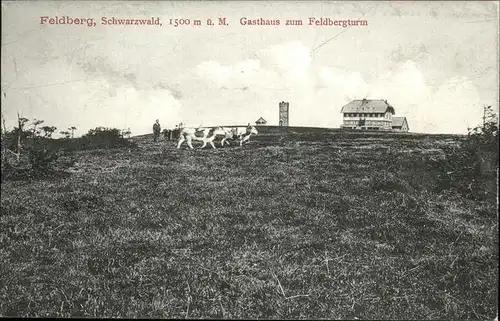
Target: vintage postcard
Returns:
[249, 159]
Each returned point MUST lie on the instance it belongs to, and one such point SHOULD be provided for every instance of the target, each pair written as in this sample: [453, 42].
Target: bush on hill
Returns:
[98, 138]
[471, 168]
[28, 155]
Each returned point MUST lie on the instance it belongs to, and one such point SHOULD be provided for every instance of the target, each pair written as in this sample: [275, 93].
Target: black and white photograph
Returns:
[333, 160]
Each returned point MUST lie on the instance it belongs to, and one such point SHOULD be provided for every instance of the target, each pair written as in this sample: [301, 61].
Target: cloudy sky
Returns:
[435, 62]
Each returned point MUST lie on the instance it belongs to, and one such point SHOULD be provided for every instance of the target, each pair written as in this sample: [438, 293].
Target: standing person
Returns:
[249, 129]
[156, 130]
[248, 132]
[175, 133]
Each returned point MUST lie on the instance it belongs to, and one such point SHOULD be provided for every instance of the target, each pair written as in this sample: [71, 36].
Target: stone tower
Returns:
[284, 113]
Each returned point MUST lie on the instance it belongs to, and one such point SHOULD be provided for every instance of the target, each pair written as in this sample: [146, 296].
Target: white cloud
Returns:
[100, 100]
[450, 107]
[317, 93]
[139, 109]
[243, 77]
[292, 58]
[214, 93]
[215, 72]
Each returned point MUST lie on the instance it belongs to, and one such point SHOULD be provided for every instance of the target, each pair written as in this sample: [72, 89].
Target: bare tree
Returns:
[4, 127]
[48, 131]
[489, 114]
[65, 133]
[126, 133]
[21, 121]
[19, 130]
[35, 123]
[72, 129]
[4, 139]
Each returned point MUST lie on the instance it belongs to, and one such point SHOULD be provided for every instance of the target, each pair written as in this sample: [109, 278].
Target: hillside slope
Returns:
[293, 225]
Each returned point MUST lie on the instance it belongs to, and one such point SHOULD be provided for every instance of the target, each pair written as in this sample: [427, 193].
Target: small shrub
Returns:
[41, 159]
[99, 138]
[37, 163]
[471, 168]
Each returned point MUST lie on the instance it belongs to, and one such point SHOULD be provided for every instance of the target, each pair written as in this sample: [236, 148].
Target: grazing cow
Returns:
[242, 133]
[204, 134]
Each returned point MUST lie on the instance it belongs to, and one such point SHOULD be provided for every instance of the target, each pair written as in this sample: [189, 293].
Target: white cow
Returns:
[237, 132]
[204, 134]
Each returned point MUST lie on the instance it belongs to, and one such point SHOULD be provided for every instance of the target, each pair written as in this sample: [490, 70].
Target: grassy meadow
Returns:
[296, 224]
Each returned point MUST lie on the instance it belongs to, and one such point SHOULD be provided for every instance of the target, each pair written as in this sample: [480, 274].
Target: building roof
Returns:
[368, 106]
[261, 120]
[398, 121]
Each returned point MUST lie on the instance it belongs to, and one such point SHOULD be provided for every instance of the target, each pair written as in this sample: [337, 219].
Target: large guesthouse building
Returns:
[368, 114]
